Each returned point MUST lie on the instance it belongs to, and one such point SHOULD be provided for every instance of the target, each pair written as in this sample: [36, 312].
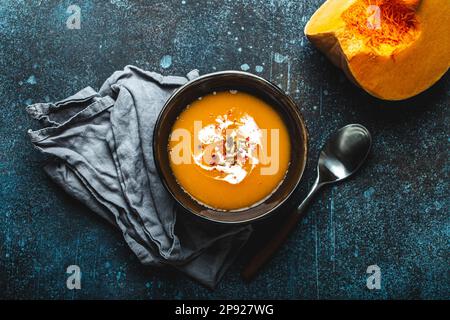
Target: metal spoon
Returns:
[344, 153]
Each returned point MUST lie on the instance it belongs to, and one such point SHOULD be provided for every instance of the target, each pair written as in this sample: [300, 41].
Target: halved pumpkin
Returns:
[393, 49]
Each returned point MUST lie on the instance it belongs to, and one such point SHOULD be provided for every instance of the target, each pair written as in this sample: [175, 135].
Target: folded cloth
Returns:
[101, 148]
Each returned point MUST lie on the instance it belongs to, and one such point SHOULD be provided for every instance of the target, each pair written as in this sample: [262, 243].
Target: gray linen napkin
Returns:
[101, 148]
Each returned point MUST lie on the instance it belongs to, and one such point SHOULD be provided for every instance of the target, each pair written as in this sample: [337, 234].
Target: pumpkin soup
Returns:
[229, 150]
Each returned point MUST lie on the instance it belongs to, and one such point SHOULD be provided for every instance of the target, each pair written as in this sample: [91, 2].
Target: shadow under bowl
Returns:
[258, 87]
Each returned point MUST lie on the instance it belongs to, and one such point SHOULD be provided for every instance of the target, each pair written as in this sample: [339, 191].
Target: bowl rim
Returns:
[273, 86]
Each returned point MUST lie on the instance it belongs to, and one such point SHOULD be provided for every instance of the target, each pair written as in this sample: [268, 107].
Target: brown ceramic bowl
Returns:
[259, 87]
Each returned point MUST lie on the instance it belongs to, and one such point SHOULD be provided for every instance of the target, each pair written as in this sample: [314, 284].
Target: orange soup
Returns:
[229, 150]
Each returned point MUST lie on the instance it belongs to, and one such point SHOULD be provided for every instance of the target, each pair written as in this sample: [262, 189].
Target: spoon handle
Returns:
[264, 253]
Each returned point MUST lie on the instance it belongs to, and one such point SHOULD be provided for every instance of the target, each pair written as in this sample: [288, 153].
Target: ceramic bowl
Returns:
[252, 84]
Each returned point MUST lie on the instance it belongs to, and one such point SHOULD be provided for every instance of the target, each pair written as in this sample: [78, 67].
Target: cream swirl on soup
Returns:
[229, 146]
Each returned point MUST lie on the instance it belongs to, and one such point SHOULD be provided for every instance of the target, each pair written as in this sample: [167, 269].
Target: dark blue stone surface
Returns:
[394, 213]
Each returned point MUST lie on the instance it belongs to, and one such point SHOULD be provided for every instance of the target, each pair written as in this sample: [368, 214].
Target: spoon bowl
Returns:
[344, 153]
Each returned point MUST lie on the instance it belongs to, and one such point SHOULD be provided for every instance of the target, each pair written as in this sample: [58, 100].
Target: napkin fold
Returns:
[100, 148]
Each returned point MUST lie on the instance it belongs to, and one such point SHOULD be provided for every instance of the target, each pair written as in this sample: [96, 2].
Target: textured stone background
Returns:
[394, 213]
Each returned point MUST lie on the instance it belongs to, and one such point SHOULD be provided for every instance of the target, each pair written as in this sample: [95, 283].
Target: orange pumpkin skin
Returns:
[393, 49]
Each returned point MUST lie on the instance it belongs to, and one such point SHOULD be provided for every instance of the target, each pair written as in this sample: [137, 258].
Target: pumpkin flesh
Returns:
[393, 49]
